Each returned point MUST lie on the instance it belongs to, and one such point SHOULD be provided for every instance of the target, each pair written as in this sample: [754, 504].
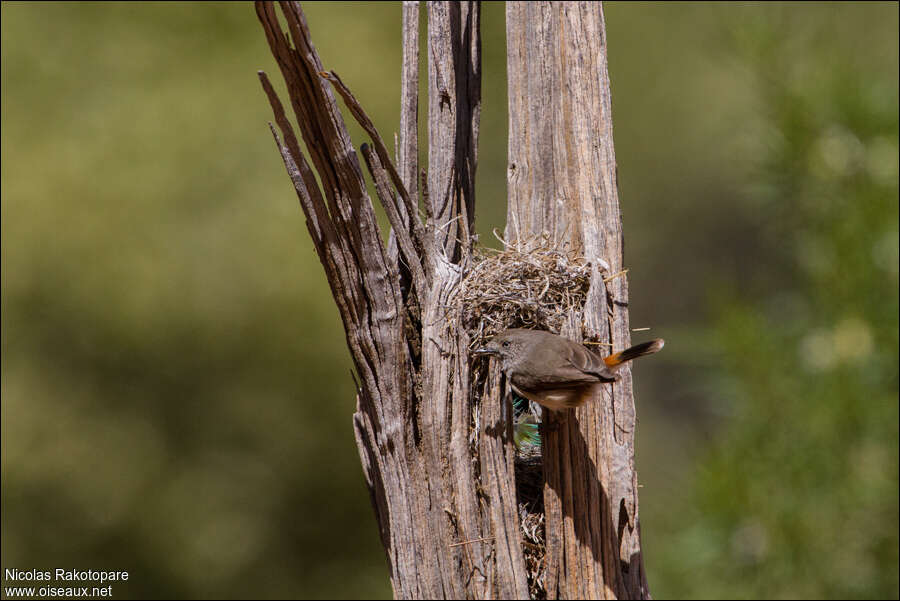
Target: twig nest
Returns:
[508, 288]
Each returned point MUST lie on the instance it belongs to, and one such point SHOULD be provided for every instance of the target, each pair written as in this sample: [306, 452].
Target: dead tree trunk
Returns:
[434, 431]
[562, 184]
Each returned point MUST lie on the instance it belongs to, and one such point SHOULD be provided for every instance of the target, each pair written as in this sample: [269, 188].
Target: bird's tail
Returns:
[638, 350]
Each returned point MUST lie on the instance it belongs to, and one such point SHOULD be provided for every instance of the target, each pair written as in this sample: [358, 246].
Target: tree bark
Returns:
[562, 185]
[435, 437]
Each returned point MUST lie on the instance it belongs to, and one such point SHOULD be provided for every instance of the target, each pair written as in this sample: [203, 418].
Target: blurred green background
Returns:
[176, 397]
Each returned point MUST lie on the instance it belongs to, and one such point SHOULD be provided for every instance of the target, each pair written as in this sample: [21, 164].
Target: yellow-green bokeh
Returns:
[176, 395]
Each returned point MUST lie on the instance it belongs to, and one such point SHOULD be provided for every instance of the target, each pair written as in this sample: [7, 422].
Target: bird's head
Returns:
[509, 346]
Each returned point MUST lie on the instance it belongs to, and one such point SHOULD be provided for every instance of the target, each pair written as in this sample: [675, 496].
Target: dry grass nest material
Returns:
[512, 289]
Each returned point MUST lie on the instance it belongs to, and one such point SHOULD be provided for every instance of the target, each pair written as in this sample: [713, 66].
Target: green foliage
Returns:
[799, 496]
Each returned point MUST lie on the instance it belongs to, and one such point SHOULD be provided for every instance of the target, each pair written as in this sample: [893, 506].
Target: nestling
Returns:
[554, 371]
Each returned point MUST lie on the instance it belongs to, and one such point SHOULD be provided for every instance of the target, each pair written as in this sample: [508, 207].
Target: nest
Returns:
[511, 289]
[540, 289]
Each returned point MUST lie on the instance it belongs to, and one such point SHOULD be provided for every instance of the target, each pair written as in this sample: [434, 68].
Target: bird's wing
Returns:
[587, 362]
[561, 376]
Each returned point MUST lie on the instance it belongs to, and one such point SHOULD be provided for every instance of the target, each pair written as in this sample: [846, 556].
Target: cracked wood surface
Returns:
[441, 480]
[438, 456]
[562, 182]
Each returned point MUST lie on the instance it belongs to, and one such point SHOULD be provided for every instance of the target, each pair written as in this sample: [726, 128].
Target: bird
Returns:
[553, 371]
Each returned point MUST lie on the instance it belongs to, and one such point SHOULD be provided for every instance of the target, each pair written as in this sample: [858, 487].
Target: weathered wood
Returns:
[406, 143]
[408, 140]
[454, 114]
[435, 443]
[341, 220]
[439, 469]
[562, 183]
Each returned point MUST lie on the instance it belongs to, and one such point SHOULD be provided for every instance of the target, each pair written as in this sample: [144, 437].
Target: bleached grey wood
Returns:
[562, 182]
[441, 481]
[439, 460]
[454, 113]
[408, 140]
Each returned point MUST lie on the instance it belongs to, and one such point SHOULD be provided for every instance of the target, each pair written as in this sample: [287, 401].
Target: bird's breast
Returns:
[555, 399]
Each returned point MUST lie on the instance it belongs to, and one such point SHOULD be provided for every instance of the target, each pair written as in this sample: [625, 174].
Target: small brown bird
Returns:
[554, 371]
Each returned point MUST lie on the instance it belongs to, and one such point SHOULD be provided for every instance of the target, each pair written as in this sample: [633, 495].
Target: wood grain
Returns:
[434, 440]
[562, 183]
[439, 469]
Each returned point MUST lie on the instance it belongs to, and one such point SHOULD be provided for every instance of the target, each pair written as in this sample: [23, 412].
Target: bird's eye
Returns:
[506, 344]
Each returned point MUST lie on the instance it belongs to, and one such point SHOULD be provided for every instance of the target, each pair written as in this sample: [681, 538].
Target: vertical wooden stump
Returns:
[562, 184]
[434, 443]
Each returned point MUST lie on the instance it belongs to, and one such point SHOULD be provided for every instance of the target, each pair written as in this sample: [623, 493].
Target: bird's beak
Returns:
[485, 351]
